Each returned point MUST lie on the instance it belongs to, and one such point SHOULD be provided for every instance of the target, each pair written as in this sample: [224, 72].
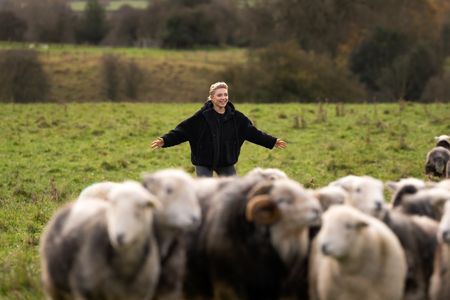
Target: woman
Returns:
[216, 133]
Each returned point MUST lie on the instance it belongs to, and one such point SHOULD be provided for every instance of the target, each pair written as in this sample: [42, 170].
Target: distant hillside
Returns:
[110, 5]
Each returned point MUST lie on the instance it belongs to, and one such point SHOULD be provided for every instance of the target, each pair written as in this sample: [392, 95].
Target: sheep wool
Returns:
[356, 256]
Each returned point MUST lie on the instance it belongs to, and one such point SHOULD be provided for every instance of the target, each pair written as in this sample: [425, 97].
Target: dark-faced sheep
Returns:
[436, 162]
[405, 186]
[256, 237]
[440, 281]
[417, 235]
[443, 141]
[110, 255]
[356, 256]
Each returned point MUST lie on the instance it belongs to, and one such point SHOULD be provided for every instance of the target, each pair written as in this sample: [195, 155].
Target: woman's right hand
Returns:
[158, 143]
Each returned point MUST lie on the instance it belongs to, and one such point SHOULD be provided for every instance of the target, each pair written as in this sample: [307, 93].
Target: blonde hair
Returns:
[215, 86]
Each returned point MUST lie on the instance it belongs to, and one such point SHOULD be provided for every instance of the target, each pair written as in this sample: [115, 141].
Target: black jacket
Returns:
[202, 130]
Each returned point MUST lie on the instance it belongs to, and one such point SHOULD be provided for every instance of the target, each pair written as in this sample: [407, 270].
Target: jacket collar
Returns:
[208, 109]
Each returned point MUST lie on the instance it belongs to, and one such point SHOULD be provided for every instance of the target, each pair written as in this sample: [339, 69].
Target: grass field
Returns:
[49, 152]
[79, 6]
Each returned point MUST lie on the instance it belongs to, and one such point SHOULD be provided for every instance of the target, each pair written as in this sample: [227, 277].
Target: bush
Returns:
[438, 88]
[120, 79]
[284, 72]
[22, 77]
[110, 76]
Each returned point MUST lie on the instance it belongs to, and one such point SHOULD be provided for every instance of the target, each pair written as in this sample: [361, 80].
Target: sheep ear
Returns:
[149, 181]
[262, 188]
[361, 225]
[391, 185]
[436, 138]
[262, 210]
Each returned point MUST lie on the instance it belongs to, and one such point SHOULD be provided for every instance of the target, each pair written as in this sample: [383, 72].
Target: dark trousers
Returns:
[202, 171]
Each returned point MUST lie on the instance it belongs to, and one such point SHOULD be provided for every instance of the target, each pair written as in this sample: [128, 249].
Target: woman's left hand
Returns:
[280, 144]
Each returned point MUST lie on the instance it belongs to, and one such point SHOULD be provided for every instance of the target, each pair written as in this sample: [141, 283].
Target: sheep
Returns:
[440, 281]
[267, 173]
[427, 202]
[355, 256]
[255, 236]
[97, 190]
[406, 186]
[436, 162]
[417, 235]
[181, 214]
[111, 255]
[331, 195]
[364, 193]
[443, 141]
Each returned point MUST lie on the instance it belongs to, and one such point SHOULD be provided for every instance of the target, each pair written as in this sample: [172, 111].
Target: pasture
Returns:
[49, 152]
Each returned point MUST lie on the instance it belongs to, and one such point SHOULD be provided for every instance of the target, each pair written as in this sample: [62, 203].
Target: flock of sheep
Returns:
[259, 236]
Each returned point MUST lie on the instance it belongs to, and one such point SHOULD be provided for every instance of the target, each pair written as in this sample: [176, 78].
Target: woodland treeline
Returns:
[298, 50]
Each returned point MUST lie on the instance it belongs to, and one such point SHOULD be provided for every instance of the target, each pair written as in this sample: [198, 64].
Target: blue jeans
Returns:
[202, 171]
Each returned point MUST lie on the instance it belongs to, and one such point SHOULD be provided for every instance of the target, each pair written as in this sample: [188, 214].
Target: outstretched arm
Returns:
[158, 143]
[280, 144]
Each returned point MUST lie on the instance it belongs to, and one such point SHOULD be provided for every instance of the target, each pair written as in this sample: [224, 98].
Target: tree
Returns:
[92, 26]
[375, 54]
[190, 27]
[12, 28]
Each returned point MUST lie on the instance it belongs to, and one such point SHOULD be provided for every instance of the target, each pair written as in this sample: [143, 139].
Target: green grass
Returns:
[79, 6]
[50, 152]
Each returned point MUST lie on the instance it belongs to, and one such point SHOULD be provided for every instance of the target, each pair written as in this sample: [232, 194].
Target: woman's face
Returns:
[220, 98]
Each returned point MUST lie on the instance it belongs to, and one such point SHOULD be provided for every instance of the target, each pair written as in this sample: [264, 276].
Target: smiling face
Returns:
[219, 98]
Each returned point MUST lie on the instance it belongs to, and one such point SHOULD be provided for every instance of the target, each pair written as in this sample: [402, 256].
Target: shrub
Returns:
[22, 77]
[120, 79]
[284, 72]
[110, 76]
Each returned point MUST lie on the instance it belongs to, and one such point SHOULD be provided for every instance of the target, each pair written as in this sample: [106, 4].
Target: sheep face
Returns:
[176, 191]
[365, 193]
[130, 214]
[444, 225]
[340, 231]
[287, 203]
[436, 161]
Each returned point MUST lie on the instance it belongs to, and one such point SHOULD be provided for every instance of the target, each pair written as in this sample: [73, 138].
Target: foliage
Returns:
[92, 27]
[22, 77]
[12, 28]
[284, 72]
[50, 152]
[393, 66]
[190, 27]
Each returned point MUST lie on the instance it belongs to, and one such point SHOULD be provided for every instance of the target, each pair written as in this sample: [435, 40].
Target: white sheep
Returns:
[365, 193]
[180, 215]
[355, 256]
[111, 255]
[440, 281]
[331, 195]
